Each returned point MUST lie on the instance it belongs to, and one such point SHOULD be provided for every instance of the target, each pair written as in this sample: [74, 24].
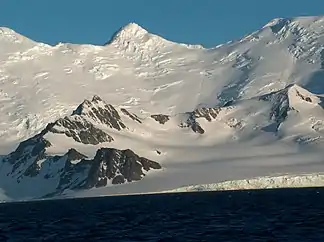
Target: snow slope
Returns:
[248, 108]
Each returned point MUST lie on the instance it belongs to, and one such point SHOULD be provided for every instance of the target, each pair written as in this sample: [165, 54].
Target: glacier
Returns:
[287, 181]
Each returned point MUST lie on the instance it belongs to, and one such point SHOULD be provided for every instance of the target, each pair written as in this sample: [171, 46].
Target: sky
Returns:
[206, 22]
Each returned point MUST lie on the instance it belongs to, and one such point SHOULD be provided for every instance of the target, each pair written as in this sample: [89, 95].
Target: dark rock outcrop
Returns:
[24, 159]
[131, 115]
[80, 130]
[119, 179]
[73, 176]
[161, 118]
[307, 99]
[284, 101]
[280, 105]
[119, 166]
[197, 128]
[73, 155]
[207, 113]
[82, 124]
[108, 165]
[75, 170]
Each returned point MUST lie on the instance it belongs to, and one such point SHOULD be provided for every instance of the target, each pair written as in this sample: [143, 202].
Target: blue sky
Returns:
[206, 22]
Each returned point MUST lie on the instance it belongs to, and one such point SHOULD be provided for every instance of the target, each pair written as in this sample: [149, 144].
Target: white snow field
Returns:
[265, 90]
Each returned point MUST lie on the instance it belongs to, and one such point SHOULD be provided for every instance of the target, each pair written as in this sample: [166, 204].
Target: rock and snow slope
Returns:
[247, 108]
[35, 160]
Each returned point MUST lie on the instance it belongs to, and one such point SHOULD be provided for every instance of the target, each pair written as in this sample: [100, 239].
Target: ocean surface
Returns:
[261, 215]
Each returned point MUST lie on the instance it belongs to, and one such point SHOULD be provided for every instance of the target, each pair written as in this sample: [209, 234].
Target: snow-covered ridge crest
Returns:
[99, 111]
[293, 95]
[274, 21]
[131, 30]
[303, 20]
[298, 94]
[12, 36]
[5, 31]
[133, 37]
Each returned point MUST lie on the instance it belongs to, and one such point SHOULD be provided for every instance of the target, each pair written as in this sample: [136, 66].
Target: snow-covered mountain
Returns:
[66, 168]
[160, 113]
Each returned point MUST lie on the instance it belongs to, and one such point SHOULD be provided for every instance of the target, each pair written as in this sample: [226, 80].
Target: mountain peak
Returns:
[297, 93]
[304, 21]
[133, 28]
[276, 21]
[87, 105]
[7, 31]
[293, 93]
[101, 112]
[96, 99]
[12, 36]
[128, 33]
[293, 97]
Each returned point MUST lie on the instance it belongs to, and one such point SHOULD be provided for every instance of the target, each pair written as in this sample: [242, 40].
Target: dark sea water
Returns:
[268, 215]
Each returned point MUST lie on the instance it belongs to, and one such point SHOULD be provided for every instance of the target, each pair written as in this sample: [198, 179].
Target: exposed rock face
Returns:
[288, 100]
[119, 166]
[131, 115]
[100, 112]
[280, 107]
[162, 119]
[80, 130]
[81, 125]
[307, 99]
[73, 176]
[24, 159]
[193, 124]
[207, 113]
[73, 155]
[74, 170]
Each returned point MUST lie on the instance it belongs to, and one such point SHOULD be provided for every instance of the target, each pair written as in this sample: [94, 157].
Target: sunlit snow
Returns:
[276, 70]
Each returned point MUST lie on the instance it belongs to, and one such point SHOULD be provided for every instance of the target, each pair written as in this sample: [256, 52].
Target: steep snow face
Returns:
[246, 108]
